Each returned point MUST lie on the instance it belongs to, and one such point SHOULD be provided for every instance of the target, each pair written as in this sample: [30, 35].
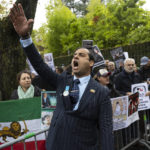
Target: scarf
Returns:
[28, 94]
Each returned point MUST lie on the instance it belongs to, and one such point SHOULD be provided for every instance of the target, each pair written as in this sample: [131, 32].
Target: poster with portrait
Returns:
[118, 56]
[125, 111]
[144, 101]
[133, 102]
[48, 58]
[99, 59]
[120, 112]
[96, 52]
[48, 105]
[46, 117]
[48, 99]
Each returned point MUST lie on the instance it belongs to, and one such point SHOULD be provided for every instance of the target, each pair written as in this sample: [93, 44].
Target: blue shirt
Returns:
[82, 85]
[25, 43]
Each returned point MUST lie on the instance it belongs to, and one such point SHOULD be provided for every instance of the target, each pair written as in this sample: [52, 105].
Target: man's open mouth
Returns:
[75, 64]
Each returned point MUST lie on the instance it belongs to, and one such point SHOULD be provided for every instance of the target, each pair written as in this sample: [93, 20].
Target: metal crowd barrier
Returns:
[126, 137]
[24, 138]
[145, 128]
[137, 132]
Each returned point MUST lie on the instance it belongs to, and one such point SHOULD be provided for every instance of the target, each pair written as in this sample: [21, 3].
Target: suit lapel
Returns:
[88, 95]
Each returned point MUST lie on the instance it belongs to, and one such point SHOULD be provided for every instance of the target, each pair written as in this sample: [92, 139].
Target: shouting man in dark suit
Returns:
[83, 116]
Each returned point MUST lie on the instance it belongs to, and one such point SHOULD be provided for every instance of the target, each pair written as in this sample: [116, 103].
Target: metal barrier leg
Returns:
[142, 141]
[130, 144]
[146, 120]
[116, 140]
[24, 144]
[11, 147]
[131, 135]
[36, 146]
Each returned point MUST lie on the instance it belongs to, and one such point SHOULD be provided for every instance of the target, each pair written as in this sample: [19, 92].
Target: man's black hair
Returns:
[60, 69]
[91, 57]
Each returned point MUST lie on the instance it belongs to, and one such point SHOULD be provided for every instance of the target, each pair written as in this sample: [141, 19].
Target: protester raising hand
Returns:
[19, 20]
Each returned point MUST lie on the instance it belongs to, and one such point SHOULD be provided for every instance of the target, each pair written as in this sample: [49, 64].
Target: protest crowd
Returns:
[118, 85]
[117, 80]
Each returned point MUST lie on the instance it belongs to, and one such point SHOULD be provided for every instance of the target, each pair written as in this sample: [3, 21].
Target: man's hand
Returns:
[19, 20]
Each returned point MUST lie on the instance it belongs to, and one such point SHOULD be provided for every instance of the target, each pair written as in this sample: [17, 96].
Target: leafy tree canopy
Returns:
[115, 22]
[3, 8]
[77, 6]
[39, 38]
[59, 20]
[111, 24]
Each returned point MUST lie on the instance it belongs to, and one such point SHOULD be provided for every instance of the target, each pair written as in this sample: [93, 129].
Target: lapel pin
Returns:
[66, 92]
[92, 90]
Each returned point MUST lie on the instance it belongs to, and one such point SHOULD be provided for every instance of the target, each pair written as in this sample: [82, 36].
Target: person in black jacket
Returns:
[83, 105]
[127, 77]
[25, 88]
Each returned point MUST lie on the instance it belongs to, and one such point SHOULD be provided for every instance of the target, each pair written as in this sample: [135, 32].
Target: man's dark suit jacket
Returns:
[76, 130]
[47, 103]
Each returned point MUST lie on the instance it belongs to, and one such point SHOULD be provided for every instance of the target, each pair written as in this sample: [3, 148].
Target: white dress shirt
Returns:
[82, 85]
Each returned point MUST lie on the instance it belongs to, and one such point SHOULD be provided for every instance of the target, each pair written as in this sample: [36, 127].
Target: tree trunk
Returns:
[12, 58]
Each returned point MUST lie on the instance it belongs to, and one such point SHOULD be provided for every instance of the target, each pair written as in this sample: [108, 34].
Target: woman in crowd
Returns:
[25, 88]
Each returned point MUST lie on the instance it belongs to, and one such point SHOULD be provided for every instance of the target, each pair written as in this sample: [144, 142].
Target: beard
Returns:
[129, 70]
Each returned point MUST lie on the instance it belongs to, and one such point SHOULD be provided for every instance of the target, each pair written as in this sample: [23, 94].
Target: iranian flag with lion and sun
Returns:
[19, 118]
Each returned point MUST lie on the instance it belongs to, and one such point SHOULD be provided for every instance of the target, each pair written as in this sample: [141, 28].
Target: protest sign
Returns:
[144, 101]
[48, 104]
[125, 111]
[99, 59]
[118, 56]
[32, 70]
[48, 58]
